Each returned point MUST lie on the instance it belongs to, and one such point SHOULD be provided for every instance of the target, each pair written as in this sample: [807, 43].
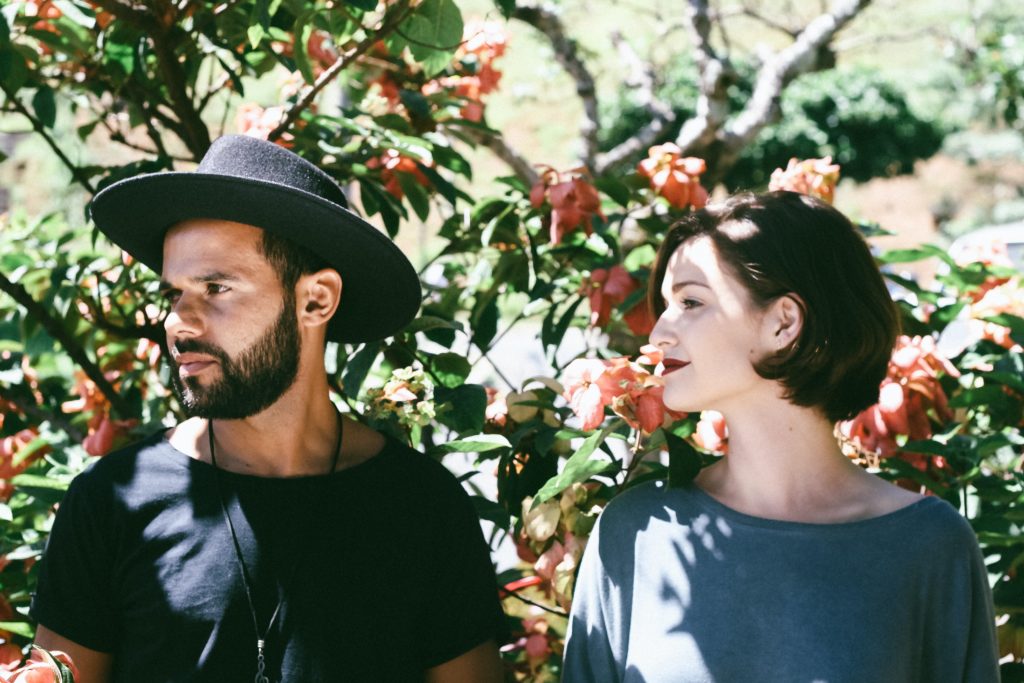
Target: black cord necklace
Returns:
[261, 636]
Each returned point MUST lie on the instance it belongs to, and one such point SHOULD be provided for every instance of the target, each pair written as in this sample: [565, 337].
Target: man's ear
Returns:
[318, 295]
[784, 321]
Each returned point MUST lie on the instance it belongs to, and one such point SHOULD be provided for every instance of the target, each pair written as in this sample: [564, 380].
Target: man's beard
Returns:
[249, 383]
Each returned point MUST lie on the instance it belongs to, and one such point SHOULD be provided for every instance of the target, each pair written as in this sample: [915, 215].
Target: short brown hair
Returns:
[784, 243]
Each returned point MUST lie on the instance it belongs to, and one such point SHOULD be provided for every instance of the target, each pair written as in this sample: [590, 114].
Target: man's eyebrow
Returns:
[215, 276]
[683, 283]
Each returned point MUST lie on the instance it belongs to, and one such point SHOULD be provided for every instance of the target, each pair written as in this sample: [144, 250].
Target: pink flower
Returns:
[711, 433]
[814, 177]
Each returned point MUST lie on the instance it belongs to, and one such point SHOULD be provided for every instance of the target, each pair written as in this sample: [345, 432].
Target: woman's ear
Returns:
[318, 295]
[785, 321]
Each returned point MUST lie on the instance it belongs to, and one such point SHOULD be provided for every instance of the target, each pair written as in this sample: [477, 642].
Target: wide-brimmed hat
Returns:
[252, 181]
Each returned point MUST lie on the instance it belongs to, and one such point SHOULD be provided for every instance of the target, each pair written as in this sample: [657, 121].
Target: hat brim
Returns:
[380, 289]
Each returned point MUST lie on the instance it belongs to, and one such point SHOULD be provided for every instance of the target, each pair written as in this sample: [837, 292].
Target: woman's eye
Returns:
[689, 303]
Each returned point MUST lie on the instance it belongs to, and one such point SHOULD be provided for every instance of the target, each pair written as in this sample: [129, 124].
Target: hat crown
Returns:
[242, 156]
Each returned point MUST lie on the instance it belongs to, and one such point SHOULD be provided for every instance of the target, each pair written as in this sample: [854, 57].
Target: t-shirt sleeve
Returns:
[982, 660]
[461, 608]
[595, 620]
[73, 596]
[960, 642]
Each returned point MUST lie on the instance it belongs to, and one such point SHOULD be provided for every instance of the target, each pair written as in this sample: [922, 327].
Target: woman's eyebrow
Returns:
[683, 283]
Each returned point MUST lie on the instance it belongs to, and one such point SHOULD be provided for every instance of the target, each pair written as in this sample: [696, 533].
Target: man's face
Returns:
[232, 332]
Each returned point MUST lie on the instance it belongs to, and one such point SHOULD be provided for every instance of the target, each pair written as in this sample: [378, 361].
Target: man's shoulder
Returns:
[126, 463]
[401, 462]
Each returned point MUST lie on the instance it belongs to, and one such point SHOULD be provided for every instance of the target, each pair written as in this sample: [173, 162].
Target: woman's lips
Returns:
[669, 365]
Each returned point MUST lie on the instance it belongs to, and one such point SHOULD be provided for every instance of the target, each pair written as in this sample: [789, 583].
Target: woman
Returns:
[783, 561]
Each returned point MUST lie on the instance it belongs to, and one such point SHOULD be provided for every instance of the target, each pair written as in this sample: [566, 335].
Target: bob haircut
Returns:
[784, 243]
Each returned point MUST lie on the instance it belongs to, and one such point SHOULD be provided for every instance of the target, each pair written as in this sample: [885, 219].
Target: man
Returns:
[266, 538]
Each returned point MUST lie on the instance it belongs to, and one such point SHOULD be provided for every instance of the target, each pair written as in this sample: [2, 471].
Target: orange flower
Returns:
[910, 398]
[103, 432]
[631, 391]
[12, 461]
[390, 164]
[574, 201]
[609, 288]
[674, 177]
[814, 177]
[40, 667]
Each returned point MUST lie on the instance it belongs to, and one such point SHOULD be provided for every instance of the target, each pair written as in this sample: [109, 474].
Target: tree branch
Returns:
[388, 24]
[193, 132]
[776, 73]
[716, 74]
[642, 83]
[56, 329]
[36, 412]
[37, 125]
[520, 166]
[565, 48]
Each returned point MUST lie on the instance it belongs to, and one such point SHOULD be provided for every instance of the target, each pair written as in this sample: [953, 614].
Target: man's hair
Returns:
[289, 260]
[784, 243]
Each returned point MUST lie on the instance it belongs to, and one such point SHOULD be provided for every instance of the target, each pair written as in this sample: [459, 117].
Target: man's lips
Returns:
[190, 364]
[670, 365]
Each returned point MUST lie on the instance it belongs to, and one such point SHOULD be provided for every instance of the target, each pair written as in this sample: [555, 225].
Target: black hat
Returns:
[247, 180]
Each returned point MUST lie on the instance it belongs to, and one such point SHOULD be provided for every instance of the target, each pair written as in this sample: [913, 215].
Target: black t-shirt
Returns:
[385, 569]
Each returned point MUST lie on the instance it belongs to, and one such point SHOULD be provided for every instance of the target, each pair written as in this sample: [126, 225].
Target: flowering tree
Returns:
[388, 97]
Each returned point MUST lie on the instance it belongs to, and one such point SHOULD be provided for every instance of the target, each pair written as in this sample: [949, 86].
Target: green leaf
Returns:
[19, 628]
[45, 106]
[491, 511]
[615, 189]
[481, 443]
[255, 34]
[580, 467]
[916, 254]
[37, 481]
[415, 193]
[5, 513]
[485, 321]
[978, 396]
[431, 322]
[1014, 322]
[358, 366]
[303, 30]
[450, 369]
[433, 34]
[468, 404]
[684, 462]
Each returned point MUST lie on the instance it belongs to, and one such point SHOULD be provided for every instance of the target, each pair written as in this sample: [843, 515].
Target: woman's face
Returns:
[711, 333]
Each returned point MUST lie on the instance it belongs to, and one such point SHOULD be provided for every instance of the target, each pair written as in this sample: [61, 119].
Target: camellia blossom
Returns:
[607, 288]
[814, 177]
[909, 398]
[675, 177]
[632, 392]
[573, 200]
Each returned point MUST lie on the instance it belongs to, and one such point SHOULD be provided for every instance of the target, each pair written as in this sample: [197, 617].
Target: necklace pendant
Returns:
[261, 663]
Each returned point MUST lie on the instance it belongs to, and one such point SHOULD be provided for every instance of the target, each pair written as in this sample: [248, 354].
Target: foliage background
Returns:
[394, 100]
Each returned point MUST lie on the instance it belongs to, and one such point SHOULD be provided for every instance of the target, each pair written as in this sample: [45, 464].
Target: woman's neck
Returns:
[784, 463]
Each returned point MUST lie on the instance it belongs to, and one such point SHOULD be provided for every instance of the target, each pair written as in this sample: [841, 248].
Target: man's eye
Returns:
[214, 288]
[170, 297]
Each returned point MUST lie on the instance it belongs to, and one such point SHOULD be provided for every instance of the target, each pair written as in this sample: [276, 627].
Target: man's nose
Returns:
[183, 320]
